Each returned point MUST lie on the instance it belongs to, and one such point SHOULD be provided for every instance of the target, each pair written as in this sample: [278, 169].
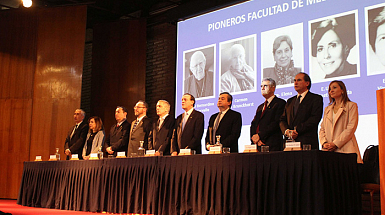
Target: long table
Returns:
[298, 182]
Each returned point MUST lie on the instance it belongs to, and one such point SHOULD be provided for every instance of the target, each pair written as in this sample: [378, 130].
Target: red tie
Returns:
[263, 111]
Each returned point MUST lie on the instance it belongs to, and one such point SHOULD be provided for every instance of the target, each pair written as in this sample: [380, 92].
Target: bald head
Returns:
[198, 64]
[237, 54]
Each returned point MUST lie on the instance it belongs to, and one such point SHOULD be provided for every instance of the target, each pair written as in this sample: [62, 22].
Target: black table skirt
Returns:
[308, 182]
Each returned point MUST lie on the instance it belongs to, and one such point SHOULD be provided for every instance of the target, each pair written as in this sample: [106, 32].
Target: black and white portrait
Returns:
[199, 70]
[334, 48]
[237, 65]
[375, 23]
[282, 56]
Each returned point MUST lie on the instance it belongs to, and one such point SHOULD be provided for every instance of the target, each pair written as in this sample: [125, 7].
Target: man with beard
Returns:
[140, 128]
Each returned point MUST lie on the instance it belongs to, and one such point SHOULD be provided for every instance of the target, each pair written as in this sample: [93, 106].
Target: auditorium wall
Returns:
[160, 66]
[118, 68]
[41, 60]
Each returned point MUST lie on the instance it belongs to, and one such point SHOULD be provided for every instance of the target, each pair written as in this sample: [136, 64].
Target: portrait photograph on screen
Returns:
[199, 75]
[329, 40]
[375, 31]
[282, 54]
[334, 47]
[237, 65]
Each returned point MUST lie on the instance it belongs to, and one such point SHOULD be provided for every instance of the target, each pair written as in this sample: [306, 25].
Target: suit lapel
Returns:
[268, 107]
[291, 111]
[301, 105]
[224, 118]
[179, 131]
[72, 131]
[164, 122]
[189, 119]
[138, 125]
[338, 115]
[329, 115]
[132, 126]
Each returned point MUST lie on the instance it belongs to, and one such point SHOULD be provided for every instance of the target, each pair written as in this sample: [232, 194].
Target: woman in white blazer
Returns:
[339, 122]
[95, 137]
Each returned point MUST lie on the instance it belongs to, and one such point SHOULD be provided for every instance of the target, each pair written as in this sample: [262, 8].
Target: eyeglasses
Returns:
[138, 107]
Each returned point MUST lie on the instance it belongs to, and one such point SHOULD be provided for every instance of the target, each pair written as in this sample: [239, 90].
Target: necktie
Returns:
[296, 104]
[264, 108]
[216, 124]
[159, 123]
[135, 124]
[263, 111]
[184, 121]
[73, 132]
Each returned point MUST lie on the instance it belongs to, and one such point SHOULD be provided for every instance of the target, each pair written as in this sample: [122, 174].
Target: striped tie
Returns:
[135, 124]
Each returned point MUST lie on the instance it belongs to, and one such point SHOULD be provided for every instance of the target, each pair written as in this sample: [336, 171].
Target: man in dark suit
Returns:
[140, 128]
[161, 134]
[77, 135]
[188, 127]
[264, 129]
[302, 113]
[226, 123]
[117, 140]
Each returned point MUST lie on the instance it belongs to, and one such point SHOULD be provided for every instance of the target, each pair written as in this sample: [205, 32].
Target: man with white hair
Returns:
[200, 83]
[160, 137]
[77, 135]
[240, 76]
[264, 129]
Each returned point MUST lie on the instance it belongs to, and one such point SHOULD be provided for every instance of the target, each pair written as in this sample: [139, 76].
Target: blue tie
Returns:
[135, 124]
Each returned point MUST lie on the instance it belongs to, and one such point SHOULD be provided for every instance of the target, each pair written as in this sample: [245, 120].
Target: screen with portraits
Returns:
[327, 39]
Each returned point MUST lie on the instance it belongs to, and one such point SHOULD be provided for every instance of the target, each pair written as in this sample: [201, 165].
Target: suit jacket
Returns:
[341, 131]
[160, 138]
[191, 136]
[269, 130]
[306, 120]
[118, 137]
[229, 128]
[76, 143]
[140, 133]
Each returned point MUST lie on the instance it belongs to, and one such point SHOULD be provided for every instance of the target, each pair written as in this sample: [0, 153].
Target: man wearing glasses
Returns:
[140, 128]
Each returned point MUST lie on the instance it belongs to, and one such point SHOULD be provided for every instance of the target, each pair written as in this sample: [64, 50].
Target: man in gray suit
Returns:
[140, 128]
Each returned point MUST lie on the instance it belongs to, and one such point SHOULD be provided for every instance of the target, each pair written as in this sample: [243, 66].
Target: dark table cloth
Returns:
[301, 182]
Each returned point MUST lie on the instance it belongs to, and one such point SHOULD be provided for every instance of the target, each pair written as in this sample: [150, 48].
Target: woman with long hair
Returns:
[95, 137]
[339, 122]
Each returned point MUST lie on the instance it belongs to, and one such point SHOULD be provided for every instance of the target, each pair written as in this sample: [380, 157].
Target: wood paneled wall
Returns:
[58, 77]
[381, 141]
[118, 68]
[41, 58]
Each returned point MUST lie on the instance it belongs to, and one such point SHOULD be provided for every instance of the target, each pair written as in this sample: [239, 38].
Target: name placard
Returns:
[94, 155]
[292, 146]
[185, 151]
[38, 158]
[215, 149]
[250, 147]
[52, 157]
[150, 152]
[75, 156]
[121, 154]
